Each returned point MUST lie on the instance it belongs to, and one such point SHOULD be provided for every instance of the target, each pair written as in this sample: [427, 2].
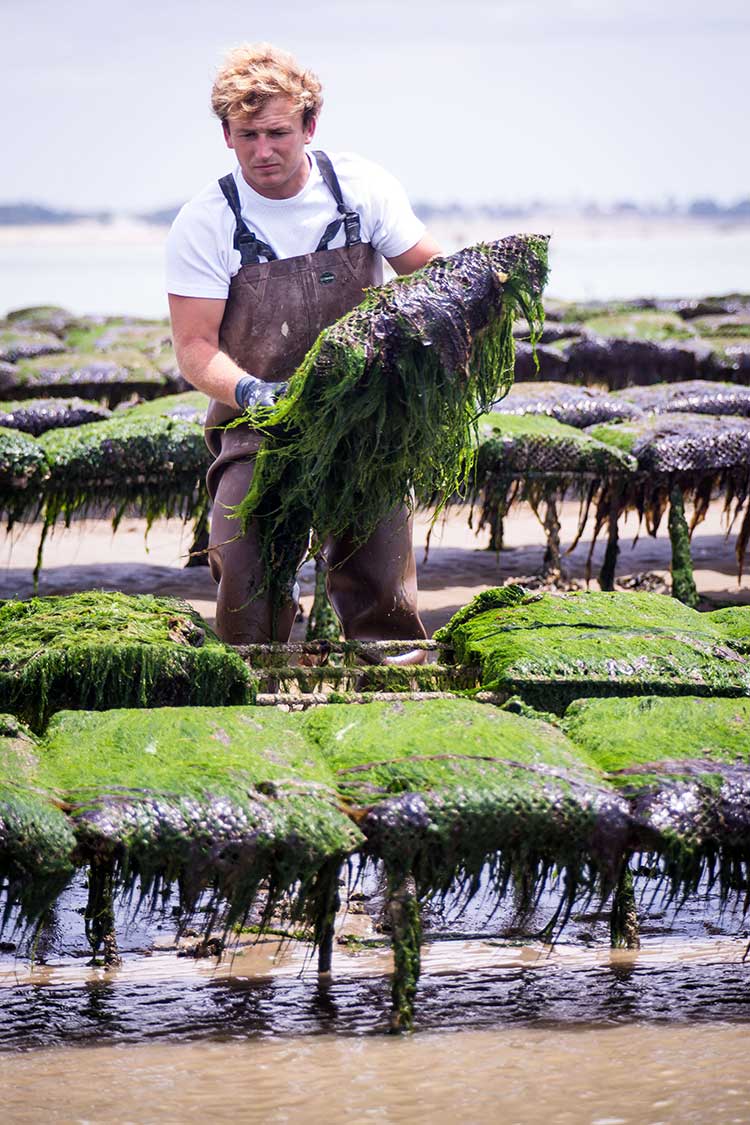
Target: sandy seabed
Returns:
[89, 556]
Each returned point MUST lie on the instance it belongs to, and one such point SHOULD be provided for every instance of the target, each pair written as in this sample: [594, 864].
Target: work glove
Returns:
[251, 392]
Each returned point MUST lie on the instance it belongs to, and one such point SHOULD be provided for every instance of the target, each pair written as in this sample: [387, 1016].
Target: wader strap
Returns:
[251, 248]
[350, 219]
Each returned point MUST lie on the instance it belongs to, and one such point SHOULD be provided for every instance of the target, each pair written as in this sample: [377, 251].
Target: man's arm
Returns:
[195, 333]
[418, 256]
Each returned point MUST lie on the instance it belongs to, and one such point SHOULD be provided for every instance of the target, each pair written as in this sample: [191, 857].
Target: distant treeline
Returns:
[20, 214]
[697, 209]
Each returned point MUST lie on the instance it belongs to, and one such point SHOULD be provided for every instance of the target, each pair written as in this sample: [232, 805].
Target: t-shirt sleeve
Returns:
[395, 227]
[196, 261]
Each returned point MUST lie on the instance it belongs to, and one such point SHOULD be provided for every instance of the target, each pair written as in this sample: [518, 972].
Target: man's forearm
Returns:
[210, 370]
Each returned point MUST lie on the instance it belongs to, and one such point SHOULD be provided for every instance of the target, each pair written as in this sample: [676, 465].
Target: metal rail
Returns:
[337, 648]
[304, 674]
[289, 701]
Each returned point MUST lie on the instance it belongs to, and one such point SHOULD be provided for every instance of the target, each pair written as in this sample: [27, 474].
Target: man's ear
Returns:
[227, 134]
[309, 130]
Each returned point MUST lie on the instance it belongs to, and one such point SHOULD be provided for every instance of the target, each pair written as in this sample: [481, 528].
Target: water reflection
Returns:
[37, 1015]
[688, 970]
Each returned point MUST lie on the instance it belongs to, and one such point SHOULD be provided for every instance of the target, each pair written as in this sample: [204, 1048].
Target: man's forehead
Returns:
[278, 111]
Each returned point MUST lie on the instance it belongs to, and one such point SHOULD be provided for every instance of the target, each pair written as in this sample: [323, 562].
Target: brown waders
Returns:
[274, 313]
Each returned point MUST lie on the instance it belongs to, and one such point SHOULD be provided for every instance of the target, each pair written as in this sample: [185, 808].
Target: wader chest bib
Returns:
[275, 311]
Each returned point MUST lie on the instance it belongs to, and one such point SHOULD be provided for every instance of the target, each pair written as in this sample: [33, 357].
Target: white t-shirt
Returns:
[201, 258]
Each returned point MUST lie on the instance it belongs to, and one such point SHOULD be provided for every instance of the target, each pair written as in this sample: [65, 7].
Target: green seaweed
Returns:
[725, 328]
[406, 935]
[84, 336]
[733, 622]
[557, 648]
[322, 624]
[36, 838]
[620, 733]
[154, 465]
[683, 582]
[398, 735]
[623, 928]
[620, 435]
[148, 337]
[223, 798]
[587, 608]
[99, 650]
[190, 405]
[641, 325]
[182, 750]
[494, 598]
[23, 472]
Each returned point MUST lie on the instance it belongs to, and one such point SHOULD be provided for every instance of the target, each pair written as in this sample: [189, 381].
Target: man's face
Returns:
[270, 148]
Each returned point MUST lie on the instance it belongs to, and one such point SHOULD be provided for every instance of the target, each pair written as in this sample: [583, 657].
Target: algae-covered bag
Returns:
[36, 839]
[98, 650]
[23, 472]
[538, 445]
[37, 415]
[570, 404]
[689, 444]
[684, 456]
[384, 406]
[551, 649]
[684, 766]
[155, 464]
[227, 798]
[697, 396]
[447, 786]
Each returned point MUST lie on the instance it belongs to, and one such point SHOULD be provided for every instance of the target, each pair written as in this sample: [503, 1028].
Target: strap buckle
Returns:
[251, 248]
[351, 228]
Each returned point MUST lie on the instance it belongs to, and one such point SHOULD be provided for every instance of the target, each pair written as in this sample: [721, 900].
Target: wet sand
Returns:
[88, 556]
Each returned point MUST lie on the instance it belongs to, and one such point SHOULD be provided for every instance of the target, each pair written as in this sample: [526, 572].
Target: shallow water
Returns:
[464, 985]
[120, 270]
[506, 1030]
[598, 1075]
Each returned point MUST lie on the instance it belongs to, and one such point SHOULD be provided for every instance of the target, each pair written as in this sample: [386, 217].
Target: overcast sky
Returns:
[106, 104]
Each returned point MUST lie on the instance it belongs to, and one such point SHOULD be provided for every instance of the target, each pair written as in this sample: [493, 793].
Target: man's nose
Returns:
[264, 147]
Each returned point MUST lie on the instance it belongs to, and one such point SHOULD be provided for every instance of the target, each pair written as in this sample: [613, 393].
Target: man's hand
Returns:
[251, 392]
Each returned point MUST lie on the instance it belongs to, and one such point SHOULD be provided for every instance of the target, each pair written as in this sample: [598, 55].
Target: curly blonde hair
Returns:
[255, 72]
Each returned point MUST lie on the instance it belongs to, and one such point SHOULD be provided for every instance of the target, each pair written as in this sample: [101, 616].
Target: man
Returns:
[257, 265]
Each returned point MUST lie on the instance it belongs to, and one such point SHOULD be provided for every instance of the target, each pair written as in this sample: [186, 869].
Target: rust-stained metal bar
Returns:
[343, 648]
[317, 698]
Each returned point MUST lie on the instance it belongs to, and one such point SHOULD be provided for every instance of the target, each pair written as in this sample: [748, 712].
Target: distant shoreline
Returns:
[452, 227]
